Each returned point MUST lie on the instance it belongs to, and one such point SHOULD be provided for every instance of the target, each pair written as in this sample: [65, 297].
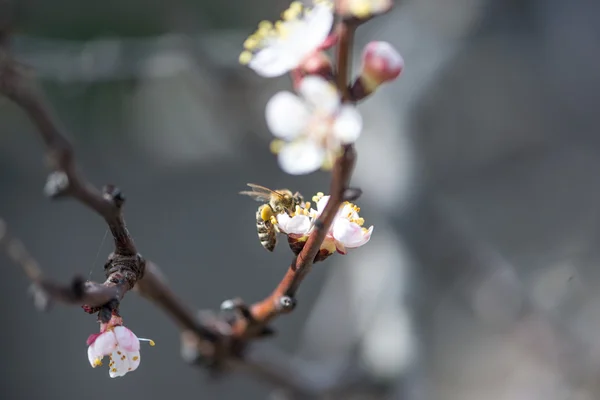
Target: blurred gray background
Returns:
[479, 168]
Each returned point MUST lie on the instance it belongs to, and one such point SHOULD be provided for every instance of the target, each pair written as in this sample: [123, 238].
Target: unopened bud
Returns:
[381, 63]
[362, 9]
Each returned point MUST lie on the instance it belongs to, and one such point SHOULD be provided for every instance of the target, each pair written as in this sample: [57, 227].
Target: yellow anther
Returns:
[273, 220]
[276, 146]
[359, 221]
[135, 358]
[265, 25]
[296, 6]
[361, 8]
[97, 362]
[320, 194]
[151, 343]
[281, 29]
[114, 370]
[290, 14]
[252, 42]
[245, 57]
[307, 205]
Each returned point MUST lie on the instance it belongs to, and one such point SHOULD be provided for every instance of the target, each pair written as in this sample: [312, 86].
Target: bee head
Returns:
[297, 199]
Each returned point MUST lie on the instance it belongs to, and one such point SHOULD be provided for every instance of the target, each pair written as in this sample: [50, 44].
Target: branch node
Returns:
[113, 194]
[352, 194]
[287, 303]
[41, 299]
[57, 184]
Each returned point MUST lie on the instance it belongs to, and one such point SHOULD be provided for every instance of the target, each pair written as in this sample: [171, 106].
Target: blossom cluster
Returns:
[346, 232]
[311, 127]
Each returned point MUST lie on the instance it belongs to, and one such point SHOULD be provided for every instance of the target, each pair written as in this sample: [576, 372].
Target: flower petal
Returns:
[300, 157]
[318, 26]
[350, 234]
[92, 356]
[319, 93]
[104, 344]
[348, 124]
[298, 224]
[273, 61]
[286, 115]
[122, 362]
[321, 204]
[126, 339]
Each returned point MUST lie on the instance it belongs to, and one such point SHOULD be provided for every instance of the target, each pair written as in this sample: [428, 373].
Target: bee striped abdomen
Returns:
[265, 229]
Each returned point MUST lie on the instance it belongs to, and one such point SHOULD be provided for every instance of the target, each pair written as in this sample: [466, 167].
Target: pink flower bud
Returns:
[380, 63]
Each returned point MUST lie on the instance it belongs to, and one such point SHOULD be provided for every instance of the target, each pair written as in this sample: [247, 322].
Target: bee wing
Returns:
[257, 196]
[260, 193]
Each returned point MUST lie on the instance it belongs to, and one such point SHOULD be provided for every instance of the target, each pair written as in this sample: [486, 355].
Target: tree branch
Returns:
[220, 340]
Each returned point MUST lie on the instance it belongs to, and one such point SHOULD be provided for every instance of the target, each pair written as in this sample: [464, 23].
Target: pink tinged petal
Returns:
[126, 339]
[348, 124]
[340, 247]
[320, 94]
[286, 115]
[301, 157]
[104, 344]
[350, 234]
[318, 26]
[92, 338]
[272, 61]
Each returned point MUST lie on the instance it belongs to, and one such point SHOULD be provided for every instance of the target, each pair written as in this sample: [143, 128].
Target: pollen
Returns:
[276, 146]
[135, 358]
[118, 352]
[114, 370]
[151, 343]
[307, 205]
[273, 220]
[245, 57]
[123, 357]
[97, 362]
[265, 214]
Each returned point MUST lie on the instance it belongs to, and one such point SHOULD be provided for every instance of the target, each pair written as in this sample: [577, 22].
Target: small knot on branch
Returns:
[127, 268]
[287, 304]
[351, 194]
[113, 194]
[57, 184]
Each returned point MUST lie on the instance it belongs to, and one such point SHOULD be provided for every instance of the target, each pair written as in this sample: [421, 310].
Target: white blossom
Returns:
[312, 127]
[275, 49]
[121, 345]
[346, 231]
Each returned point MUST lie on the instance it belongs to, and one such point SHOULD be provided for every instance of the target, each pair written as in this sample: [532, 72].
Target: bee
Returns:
[276, 202]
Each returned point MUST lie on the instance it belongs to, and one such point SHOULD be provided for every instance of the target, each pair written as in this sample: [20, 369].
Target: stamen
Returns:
[276, 146]
[245, 57]
[150, 341]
